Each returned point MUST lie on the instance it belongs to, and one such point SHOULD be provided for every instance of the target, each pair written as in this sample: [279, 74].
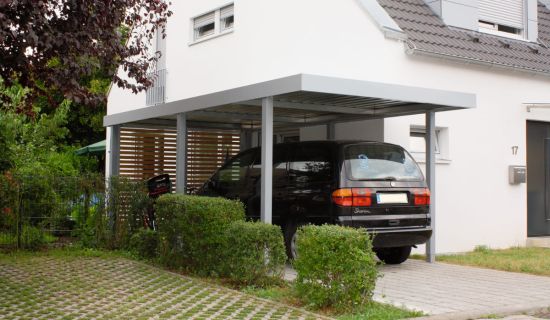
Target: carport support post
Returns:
[181, 152]
[113, 152]
[267, 160]
[430, 178]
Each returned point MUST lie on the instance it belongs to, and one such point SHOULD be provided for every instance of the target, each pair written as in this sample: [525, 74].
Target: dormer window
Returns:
[212, 24]
[503, 18]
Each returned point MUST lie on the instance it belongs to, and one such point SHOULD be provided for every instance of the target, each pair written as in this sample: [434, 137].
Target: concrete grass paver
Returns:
[439, 289]
[45, 287]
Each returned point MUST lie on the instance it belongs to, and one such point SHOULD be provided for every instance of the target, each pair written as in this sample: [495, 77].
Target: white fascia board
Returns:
[246, 93]
[387, 25]
[387, 91]
[295, 83]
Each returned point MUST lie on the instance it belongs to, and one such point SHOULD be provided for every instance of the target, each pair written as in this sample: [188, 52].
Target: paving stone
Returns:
[444, 288]
[116, 288]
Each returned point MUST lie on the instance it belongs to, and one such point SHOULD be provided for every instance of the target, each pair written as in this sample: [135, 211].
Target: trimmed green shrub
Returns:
[191, 230]
[144, 243]
[254, 253]
[335, 266]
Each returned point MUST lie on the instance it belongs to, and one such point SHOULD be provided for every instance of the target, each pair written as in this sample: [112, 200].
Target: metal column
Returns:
[430, 178]
[331, 131]
[113, 152]
[267, 159]
[181, 152]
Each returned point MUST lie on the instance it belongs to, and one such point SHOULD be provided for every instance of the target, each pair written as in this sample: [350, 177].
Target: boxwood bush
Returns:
[191, 230]
[254, 253]
[144, 243]
[335, 266]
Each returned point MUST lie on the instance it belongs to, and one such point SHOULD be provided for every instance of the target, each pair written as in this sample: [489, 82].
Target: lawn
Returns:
[525, 260]
[88, 284]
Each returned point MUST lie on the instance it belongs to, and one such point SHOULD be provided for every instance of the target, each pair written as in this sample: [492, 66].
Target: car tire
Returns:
[395, 255]
[290, 238]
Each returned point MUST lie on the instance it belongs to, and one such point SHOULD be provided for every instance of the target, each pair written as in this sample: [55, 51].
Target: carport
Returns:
[296, 101]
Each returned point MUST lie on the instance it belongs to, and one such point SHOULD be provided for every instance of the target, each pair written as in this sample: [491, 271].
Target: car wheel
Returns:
[290, 238]
[395, 255]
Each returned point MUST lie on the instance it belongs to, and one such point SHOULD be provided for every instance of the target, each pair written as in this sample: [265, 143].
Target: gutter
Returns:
[412, 49]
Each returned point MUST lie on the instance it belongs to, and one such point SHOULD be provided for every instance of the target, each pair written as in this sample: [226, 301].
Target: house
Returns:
[360, 69]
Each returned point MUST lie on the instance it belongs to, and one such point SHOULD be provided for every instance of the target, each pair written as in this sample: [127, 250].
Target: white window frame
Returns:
[486, 24]
[441, 144]
[492, 28]
[218, 30]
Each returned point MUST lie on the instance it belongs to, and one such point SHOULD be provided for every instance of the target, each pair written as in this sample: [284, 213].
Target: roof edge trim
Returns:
[411, 49]
[385, 23]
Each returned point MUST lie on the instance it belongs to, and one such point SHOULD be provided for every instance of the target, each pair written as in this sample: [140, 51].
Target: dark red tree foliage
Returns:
[58, 44]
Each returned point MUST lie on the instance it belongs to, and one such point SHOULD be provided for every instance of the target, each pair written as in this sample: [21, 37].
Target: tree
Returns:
[56, 46]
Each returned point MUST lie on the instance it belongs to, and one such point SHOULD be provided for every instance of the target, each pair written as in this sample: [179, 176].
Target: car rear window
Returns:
[380, 162]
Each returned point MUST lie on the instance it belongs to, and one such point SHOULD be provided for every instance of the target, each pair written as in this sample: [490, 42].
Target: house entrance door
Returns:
[538, 179]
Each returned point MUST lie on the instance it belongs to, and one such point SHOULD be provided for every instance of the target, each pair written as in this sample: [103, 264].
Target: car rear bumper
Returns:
[387, 237]
[400, 237]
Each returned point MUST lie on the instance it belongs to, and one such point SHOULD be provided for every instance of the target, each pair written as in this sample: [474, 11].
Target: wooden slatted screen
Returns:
[145, 153]
[207, 150]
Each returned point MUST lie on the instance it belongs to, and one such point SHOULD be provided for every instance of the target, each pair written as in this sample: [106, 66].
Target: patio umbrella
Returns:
[93, 149]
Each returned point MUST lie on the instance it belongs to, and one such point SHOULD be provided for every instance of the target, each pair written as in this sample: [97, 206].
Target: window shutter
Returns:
[204, 20]
[508, 13]
[226, 12]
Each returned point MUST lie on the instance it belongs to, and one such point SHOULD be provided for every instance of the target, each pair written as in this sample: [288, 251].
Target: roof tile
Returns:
[427, 32]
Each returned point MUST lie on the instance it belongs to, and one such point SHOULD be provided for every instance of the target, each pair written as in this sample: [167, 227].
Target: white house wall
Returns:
[276, 38]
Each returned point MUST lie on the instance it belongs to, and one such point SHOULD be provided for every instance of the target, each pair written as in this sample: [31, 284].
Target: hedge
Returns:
[144, 243]
[335, 266]
[254, 253]
[191, 230]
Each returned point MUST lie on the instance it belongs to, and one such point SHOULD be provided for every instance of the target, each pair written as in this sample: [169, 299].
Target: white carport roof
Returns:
[303, 99]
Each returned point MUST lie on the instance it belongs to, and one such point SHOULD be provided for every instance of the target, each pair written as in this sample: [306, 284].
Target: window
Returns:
[310, 163]
[214, 23]
[227, 18]
[504, 18]
[204, 25]
[418, 140]
[234, 173]
[417, 143]
[380, 162]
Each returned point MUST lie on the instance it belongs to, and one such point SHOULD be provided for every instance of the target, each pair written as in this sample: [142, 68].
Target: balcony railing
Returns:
[156, 94]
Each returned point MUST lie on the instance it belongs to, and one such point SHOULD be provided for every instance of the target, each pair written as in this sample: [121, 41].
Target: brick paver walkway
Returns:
[48, 287]
[443, 288]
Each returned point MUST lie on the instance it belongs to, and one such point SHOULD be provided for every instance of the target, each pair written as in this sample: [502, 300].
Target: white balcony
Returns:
[156, 94]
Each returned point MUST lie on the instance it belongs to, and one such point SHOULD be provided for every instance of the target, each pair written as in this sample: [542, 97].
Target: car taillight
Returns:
[421, 197]
[357, 197]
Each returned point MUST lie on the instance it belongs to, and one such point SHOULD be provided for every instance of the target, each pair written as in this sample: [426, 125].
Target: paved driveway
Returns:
[52, 287]
[443, 289]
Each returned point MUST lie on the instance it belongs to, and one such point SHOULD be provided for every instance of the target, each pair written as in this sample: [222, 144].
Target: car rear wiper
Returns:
[384, 179]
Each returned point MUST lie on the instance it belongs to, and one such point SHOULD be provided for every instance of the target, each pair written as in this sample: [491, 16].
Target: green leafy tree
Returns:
[58, 45]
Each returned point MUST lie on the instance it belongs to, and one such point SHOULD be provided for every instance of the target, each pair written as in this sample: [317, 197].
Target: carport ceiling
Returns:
[301, 100]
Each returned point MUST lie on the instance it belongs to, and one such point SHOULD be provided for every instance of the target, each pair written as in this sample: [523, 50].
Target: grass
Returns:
[371, 311]
[524, 260]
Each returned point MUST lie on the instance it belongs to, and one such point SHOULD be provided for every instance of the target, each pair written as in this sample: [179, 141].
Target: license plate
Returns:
[386, 198]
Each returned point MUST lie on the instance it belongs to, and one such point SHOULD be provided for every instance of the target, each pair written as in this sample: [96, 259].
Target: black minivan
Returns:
[372, 185]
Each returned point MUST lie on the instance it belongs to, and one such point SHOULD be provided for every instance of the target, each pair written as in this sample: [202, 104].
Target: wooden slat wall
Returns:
[207, 150]
[145, 153]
